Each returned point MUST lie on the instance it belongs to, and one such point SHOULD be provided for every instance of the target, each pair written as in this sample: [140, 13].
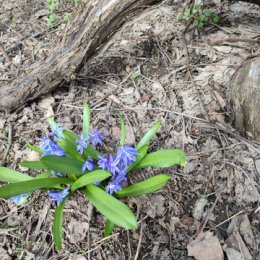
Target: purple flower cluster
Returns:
[82, 143]
[95, 137]
[49, 147]
[59, 196]
[117, 165]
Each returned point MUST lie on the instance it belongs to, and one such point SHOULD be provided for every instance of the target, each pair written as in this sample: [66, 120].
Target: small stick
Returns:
[2, 49]
[139, 242]
[9, 144]
[211, 210]
[223, 222]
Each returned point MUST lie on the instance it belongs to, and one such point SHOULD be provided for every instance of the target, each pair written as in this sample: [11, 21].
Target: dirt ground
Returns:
[210, 209]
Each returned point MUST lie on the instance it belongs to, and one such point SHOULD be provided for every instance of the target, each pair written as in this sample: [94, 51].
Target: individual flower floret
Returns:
[108, 163]
[116, 183]
[89, 164]
[126, 154]
[82, 143]
[57, 174]
[49, 147]
[59, 196]
[113, 186]
[57, 131]
[96, 137]
[19, 199]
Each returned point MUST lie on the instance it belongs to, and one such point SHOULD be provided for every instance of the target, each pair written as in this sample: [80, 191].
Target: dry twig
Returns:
[9, 144]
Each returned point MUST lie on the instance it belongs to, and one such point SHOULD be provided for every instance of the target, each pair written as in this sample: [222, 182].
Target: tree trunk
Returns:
[88, 31]
[245, 97]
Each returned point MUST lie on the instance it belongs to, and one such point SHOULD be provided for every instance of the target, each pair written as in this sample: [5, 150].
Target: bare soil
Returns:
[142, 73]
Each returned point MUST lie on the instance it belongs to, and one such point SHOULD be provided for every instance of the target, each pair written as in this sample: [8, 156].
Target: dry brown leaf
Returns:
[116, 132]
[77, 231]
[246, 230]
[236, 243]
[146, 97]
[199, 208]
[205, 247]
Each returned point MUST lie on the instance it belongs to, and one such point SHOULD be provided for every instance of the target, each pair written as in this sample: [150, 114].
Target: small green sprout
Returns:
[198, 15]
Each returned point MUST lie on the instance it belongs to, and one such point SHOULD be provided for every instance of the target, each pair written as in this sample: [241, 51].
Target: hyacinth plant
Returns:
[70, 162]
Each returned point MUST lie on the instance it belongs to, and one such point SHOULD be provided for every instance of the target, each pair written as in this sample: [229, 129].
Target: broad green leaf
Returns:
[69, 149]
[71, 137]
[12, 176]
[86, 119]
[57, 226]
[91, 152]
[150, 185]
[33, 164]
[141, 154]
[163, 158]
[35, 148]
[91, 177]
[149, 135]
[114, 210]
[11, 190]
[109, 228]
[122, 131]
[62, 164]
[43, 175]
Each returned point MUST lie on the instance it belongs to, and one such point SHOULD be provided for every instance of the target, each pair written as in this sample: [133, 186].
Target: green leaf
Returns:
[187, 14]
[33, 164]
[114, 210]
[43, 175]
[123, 131]
[35, 148]
[150, 185]
[12, 176]
[91, 152]
[163, 158]
[57, 226]
[69, 149]
[62, 164]
[149, 135]
[216, 19]
[66, 17]
[208, 13]
[71, 137]
[91, 177]
[86, 119]
[11, 190]
[109, 228]
[141, 154]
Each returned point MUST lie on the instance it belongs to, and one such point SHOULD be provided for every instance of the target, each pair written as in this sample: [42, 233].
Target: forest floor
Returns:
[208, 209]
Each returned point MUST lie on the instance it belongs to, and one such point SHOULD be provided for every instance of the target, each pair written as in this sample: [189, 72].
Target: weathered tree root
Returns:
[88, 31]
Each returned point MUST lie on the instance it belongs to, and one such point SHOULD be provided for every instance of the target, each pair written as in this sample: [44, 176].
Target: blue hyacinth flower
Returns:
[19, 199]
[113, 186]
[49, 147]
[59, 196]
[109, 163]
[96, 137]
[89, 164]
[82, 143]
[57, 131]
[126, 155]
